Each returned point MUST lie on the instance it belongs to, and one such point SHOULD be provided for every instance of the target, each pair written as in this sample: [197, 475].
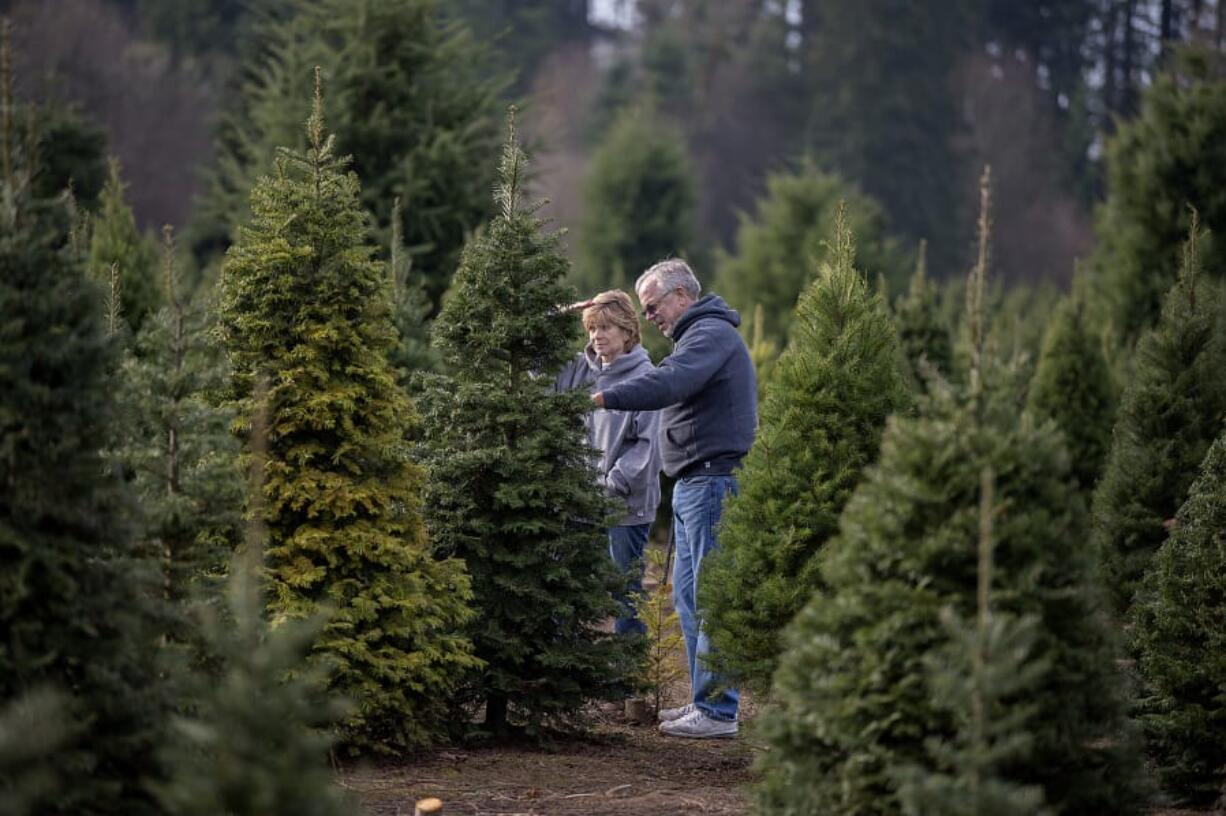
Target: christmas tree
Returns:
[116, 242]
[852, 703]
[304, 304]
[1169, 415]
[1180, 636]
[1072, 386]
[821, 425]
[921, 332]
[512, 486]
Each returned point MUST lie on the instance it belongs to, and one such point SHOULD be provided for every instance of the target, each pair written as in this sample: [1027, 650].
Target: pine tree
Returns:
[921, 332]
[1173, 154]
[32, 730]
[116, 242]
[510, 487]
[1170, 413]
[419, 114]
[77, 603]
[639, 202]
[780, 248]
[664, 666]
[1180, 635]
[304, 304]
[179, 448]
[410, 310]
[821, 425]
[256, 741]
[852, 704]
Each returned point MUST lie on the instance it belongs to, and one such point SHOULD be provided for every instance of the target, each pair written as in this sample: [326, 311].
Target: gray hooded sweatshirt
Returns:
[628, 441]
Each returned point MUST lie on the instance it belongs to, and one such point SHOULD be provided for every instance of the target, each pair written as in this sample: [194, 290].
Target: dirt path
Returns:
[620, 769]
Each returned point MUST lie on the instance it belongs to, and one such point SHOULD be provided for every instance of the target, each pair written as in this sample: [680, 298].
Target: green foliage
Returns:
[821, 425]
[32, 730]
[639, 202]
[1171, 156]
[256, 742]
[510, 478]
[922, 333]
[178, 447]
[779, 249]
[1170, 413]
[77, 603]
[305, 304]
[1180, 634]
[116, 242]
[71, 153]
[410, 310]
[418, 114]
[664, 666]
[1072, 386]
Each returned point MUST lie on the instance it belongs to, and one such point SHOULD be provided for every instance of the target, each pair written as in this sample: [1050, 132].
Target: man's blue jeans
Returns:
[626, 545]
[698, 502]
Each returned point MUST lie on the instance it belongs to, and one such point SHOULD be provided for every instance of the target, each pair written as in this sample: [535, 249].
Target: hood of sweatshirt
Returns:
[623, 365]
[706, 306]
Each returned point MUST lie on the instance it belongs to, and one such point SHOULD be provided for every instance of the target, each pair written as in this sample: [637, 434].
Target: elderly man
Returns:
[708, 392]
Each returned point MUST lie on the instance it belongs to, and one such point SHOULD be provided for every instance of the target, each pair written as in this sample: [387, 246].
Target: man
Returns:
[708, 392]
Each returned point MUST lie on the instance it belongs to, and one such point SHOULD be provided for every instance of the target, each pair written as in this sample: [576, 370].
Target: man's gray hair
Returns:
[671, 274]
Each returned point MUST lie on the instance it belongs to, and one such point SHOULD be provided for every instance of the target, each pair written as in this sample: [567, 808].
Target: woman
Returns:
[626, 440]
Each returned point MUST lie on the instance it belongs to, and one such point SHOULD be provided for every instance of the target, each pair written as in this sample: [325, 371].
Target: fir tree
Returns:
[116, 242]
[921, 332]
[510, 488]
[1180, 636]
[1072, 386]
[821, 426]
[780, 248]
[639, 201]
[852, 706]
[77, 603]
[304, 304]
[32, 730]
[419, 113]
[179, 449]
[1170, 413]
[664, 666]
[410, 310]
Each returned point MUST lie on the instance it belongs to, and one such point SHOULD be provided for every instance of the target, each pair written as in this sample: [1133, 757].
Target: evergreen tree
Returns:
[1072, 386]
[1171, 156]
[510, 488]
[1180, 635]
[178, 448]
[32, 730]
[410, 310]
[639, 202]
[821, 425]
[419, 115]
[779, 249]
[77, 603]
[71, 154]
[922, 333]
[852, 705]
[116, 242]
[1170, 413]
[304, 304]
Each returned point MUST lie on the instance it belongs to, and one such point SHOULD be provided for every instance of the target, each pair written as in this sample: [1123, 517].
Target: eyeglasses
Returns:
[650, 309]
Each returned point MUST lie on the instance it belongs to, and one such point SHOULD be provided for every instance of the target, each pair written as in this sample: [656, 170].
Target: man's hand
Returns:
[598, 398]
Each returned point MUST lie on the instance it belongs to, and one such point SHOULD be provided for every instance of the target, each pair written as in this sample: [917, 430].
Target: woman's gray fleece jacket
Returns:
[627, 440]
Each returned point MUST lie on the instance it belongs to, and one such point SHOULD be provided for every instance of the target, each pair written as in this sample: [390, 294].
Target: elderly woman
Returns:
[629, 451]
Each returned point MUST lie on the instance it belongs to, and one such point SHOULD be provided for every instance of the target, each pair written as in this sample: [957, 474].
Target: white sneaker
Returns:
[697, 725]
[670, 714]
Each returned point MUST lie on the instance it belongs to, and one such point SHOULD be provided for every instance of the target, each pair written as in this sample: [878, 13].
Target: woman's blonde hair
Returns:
[615, 308]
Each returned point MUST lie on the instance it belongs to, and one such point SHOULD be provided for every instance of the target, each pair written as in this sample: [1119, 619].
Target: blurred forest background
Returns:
[892, 104]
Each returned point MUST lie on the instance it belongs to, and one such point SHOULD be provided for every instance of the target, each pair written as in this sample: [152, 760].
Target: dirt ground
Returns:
[619, 769]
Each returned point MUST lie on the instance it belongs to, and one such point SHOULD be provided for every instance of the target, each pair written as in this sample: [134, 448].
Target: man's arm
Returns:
[681, 375]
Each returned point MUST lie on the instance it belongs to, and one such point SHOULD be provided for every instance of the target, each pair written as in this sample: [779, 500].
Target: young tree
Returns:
[832, 390]
[1170, 413]
[178, 445]
[780, 248]
[1180, 635]
[852, 706]
[511, 478]
[419, 114]
[1072, 386]
[639, 201]
[304, 303]
[116, 242]
[922, 333]
[77, 599]
[1171, 156]
[410, 312]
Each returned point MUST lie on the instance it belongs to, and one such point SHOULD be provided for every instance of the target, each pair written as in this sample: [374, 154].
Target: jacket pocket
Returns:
[681, 436]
